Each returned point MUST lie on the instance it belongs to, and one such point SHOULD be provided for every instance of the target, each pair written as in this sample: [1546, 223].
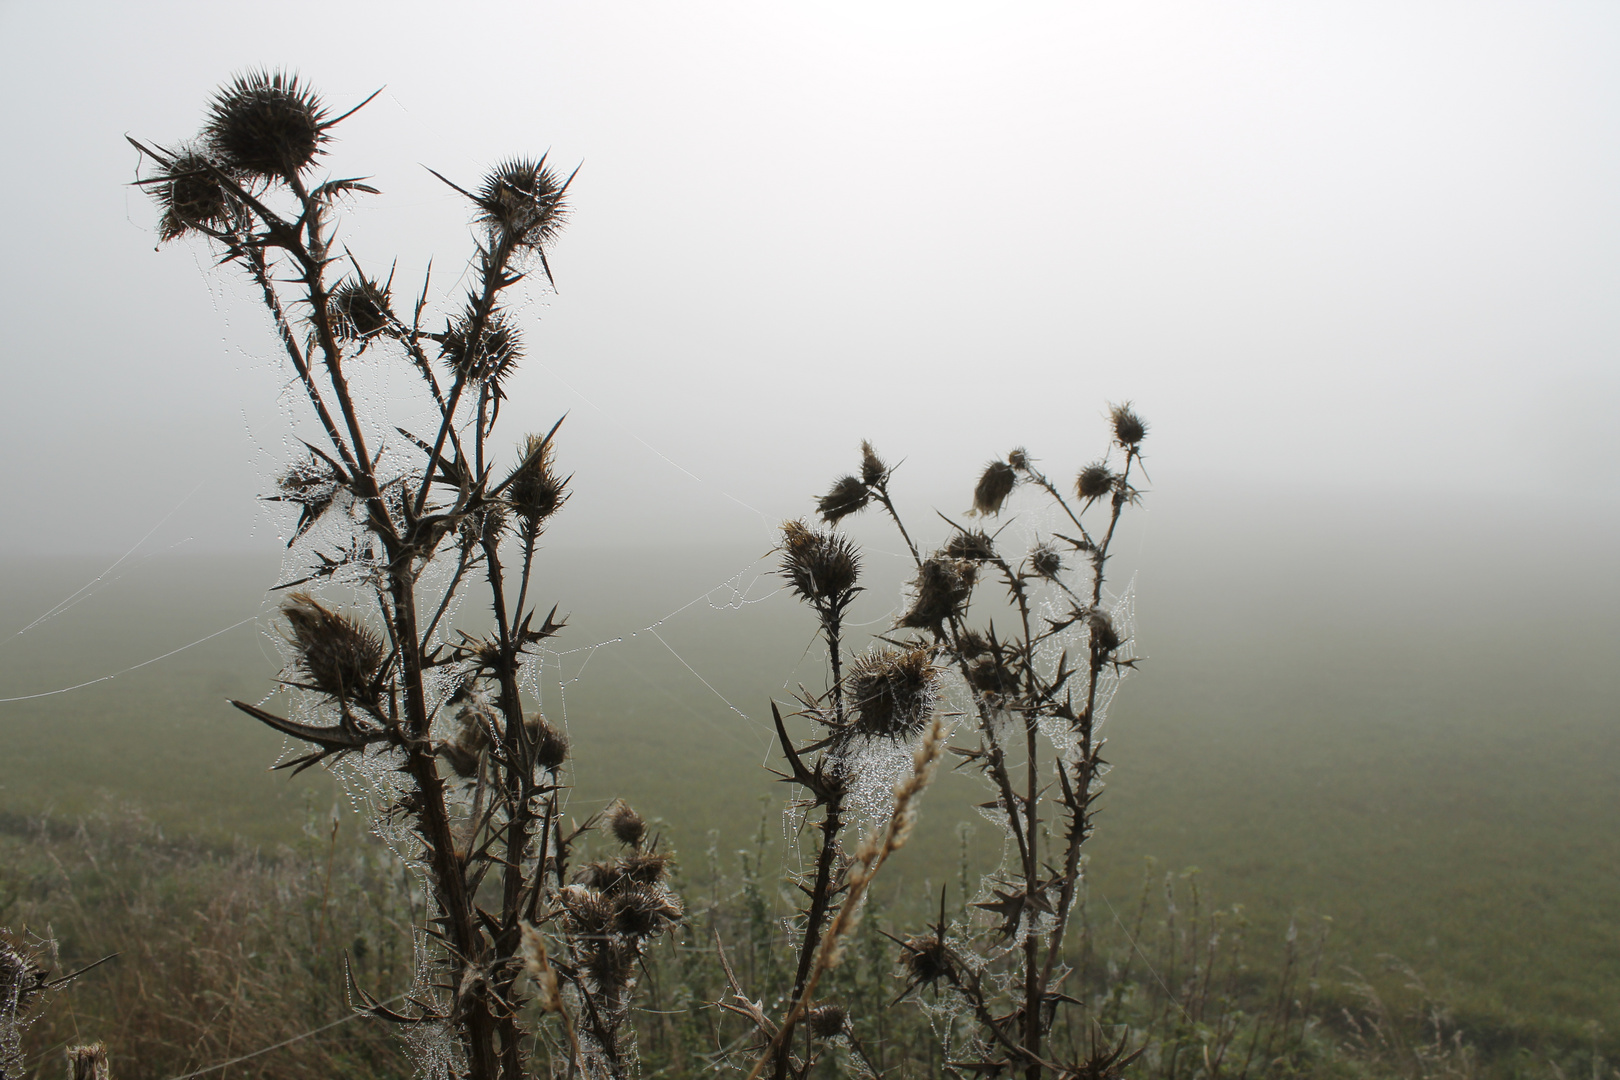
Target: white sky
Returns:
[1323, 246]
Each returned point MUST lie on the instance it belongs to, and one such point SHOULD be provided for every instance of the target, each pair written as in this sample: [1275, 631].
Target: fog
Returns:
[1338, 250]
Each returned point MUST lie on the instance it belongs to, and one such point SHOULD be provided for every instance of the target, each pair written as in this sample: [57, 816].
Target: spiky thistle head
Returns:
[190, 196]
[491, 354]
[525, 201]
[1129, 428]
[1018, 458]
[941, 589]
[360, 308]
[995, 484]
[1100, 629]
[821, 567]
[847, 496]
[550, 745]
[873, 470]
[1094, 481]
[536, 491]
[926, 960]
[627, 826]
[1045, 560]
[892, 692]
[827, 1021]
[975, 546]
[267, 124]
[336, 654]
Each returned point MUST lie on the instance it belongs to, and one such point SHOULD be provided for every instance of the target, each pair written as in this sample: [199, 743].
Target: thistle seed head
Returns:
[536, 491]
[1094, 481]
[550, 745]
[942, 588]
[846, 497]
[1046, 561]
[359, 309]
[267, 124]
[821, 567]
[1018, 458]
[336, 654]
[642, 911]
[492, 357]
[926, 960]
[191, 196]
[995, 484]
[525, 201]
[873, 470]
[971, 546]
[627, 826]
[827, 1021]
[1104, 638]
[1129, 429]
[891, 693]
[586, 912]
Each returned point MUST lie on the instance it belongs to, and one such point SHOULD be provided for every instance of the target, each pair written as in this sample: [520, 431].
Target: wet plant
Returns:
[399, 520]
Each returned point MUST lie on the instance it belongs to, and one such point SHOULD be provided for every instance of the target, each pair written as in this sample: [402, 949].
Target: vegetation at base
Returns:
[226, 950]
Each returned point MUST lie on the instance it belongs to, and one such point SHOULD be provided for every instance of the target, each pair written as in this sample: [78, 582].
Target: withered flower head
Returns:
[190, 196]
[550, 745]
[525, 200]
[1094, 481]
[359, 309]
[993, 488]
[827, 1021]
[536, 491]
[891, 693]
[1104, 638]
[995, 673]
[821, 567]
[1045, 560]
[493, 357]
[586, 912]
[942, 586]
[266, 123]
[336, 654]
[926, 960]
[626, 825]
[642, 911]
[846, 497]
[1018, 458]
[873, 471]
[973, 546]
[1129, 429]
[486, 523]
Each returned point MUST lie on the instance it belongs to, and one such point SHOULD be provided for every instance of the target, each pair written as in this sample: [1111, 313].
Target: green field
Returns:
[1409, 728]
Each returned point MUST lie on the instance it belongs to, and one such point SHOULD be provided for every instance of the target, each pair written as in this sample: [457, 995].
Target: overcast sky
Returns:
[1323, 246]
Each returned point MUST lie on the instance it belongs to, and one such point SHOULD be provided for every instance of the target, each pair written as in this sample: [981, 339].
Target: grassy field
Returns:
[1412, 731]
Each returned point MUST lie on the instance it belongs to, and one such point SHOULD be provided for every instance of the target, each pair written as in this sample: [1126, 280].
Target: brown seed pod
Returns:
[941, 589]
[1129, 429]
[1094, 481]
[266, 123]
[827, 1020]
[995, 484]
[873, 471]
[821, 567]
[359, 309]
[627, 826]
[525, 201]
[891, 693]
[846, 497]
[336, 654]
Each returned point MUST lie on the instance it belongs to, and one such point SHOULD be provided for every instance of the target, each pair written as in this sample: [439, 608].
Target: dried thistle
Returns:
[873, 470]
[1094, 481]
[525, 200]
[88, 1062]
[821, 567]
[535, 490]
[493, 356]
[847, 496]
[336, 654]
[550, 745]
[360, 309]
[1018, 458]
[190, 196]
[627, 826]
[643, 911]
[1104, 638]
[891, 693]
[1129, 429]
[1046, 561]
[971, 546]
[267, 124]
[827, 1021]
[941, 590]
[926, 960]
[995, 484]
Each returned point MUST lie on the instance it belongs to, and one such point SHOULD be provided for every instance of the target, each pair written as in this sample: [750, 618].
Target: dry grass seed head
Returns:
[338, 655]
[942, 588]
[892, 693]
[995, 484]
[821, 567]
[1129, 429]
[1094, 481]
[266, 123]
[847, 496]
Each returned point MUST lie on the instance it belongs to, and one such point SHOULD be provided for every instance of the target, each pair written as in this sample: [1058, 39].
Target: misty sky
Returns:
[1324, 247]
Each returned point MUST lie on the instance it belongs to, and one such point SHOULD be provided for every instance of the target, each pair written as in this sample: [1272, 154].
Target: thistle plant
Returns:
[395, 527]
[1033, 695]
